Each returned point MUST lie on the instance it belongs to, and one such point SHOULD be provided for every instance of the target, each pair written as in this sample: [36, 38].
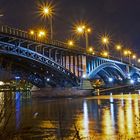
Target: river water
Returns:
[94, 118]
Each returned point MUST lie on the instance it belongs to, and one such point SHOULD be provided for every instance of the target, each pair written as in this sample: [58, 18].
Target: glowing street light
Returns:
[105, 54]
[91, 50]
[134, 56]
[125, 52]
[70, 43]
[32, 32]
[128, 53]
[105, 41]
[47, 10]
[81, 29]
[41, 33]
[139, 60]
[119, 48]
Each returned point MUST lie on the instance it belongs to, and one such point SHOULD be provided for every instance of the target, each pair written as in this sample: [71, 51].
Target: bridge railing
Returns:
[26, 35]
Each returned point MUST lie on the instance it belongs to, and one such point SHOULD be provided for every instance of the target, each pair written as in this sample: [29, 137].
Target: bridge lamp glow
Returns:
[80, 29]
[139, 60]
[125, 52]
[32, 32]
[131, 81]
[105, 40]
[134, 56]
[88, 30]
[129, 52]
[48, 79]
[105, 54]
[17, 77]
[118, 47]
[84, 76]
[110, 79]
[41, 34]
[1, 83]
[47, 10]
[90, 49]
[70, 43]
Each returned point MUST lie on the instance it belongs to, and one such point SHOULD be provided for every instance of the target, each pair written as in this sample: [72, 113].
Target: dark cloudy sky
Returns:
[120, 18]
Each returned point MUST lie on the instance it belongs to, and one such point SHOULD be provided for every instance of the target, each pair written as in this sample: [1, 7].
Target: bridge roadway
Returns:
[49, 62]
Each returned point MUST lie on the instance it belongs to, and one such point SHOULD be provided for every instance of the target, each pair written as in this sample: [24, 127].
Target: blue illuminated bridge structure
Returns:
[54, 63]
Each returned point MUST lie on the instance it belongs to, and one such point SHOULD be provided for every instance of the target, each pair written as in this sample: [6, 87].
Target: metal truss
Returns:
[10, 49]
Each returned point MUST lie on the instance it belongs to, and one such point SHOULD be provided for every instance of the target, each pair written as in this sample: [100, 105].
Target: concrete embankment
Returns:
[60, 92]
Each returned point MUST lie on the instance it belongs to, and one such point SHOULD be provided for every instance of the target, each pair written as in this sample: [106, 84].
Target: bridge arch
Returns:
[135, 76]
[62, 75]
[111, 70]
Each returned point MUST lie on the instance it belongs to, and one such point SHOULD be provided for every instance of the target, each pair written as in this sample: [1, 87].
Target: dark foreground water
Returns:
[95, 118]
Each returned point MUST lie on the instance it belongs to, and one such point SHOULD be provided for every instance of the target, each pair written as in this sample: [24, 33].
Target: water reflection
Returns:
[85, 121]
[93, 117]
[17, 98]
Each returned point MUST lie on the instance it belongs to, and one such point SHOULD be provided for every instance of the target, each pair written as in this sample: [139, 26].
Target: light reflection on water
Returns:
[100, 117]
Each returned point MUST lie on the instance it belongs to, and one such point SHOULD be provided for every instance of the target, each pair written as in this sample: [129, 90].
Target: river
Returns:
[108, 117]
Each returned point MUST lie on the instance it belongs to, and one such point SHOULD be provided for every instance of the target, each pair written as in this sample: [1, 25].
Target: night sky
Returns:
[119, 18]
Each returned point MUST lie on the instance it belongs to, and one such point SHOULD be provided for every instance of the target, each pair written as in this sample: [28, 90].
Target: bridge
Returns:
[45, 62]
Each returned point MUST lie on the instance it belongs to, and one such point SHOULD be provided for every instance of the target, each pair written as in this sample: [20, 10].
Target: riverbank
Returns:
[61, 93]
[76, 92]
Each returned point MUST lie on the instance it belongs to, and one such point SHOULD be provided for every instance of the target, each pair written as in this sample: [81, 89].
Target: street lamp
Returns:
[134, 58]
[81, 29]
[70, 43]
[119, 48]
[105, 54]
[48, 11]
[41, 33]
[32, 32]
[105, 41]
[139, 60]
[128, 53]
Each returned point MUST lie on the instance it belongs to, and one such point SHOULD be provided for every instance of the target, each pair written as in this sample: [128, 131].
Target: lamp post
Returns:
[105, 54]
[134, 58]
[128, 53]
[105, 41]
[47, 11]
[129, 56]
[119, 48]
[70, 43]
[83, 30]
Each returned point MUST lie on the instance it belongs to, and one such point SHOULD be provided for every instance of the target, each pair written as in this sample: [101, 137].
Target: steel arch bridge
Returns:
[45, 62]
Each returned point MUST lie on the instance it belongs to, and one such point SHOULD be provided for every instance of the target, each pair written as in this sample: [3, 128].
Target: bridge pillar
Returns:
[50, 53]
[55, 55]
[67, 62]
[128, 71]
[80, 65]
[84, 65]
[71, 58]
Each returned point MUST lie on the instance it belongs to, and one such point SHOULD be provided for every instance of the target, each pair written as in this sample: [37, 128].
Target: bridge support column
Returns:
[84, 65]
[71, 58]
[55, 55]
[80, 65]
[50, 51]
[67, 62]
[76, 66]
[128, 71]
